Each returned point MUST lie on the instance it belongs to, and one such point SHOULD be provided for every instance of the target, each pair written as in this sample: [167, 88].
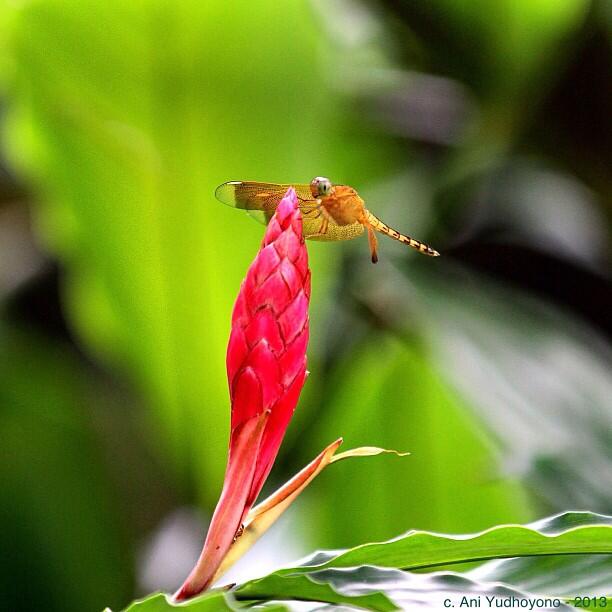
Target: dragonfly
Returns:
[329, 212]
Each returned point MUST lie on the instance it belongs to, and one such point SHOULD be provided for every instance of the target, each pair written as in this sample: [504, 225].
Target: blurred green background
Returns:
[481, 127]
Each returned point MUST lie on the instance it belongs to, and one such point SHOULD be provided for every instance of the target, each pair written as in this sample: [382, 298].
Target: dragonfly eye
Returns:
[320, 186]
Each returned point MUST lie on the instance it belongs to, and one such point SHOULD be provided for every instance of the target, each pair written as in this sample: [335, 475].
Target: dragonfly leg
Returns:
[324, 224]
[307, 211]
[321, 212]
[373, 243]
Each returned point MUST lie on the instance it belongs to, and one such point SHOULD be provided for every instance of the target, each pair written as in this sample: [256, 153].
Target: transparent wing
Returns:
[260, 200]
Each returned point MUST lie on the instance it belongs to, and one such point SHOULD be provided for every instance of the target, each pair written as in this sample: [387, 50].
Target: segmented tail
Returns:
[379, 226]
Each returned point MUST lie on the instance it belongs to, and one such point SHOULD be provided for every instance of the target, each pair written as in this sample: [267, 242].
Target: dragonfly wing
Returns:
[251, 195]
[261, 216]
[260, 199]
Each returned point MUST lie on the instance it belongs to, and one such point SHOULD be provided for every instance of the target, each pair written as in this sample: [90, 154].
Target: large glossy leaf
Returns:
[382, 589]
[214, 601]
[565, 576]
[369, 577]
[569, 533]
[319, 588]
[559, 575]
[363, 588]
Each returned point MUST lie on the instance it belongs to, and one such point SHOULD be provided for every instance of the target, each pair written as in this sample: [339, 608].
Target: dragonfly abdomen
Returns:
[381, 227]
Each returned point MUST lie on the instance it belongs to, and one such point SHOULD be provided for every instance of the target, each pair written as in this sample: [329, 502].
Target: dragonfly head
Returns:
[320, 187]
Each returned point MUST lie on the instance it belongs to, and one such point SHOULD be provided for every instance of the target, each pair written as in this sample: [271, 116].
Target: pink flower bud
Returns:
[266, 370]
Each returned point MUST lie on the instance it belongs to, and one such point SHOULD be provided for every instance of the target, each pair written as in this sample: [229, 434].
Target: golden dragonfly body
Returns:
[329, 212]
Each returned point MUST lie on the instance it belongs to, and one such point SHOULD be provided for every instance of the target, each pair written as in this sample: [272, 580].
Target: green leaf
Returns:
[376, 588]
[368, 576]
[568, 533]
[565, 575]
[212, 601]
[559, 575]
[371, 568]
[311, 588]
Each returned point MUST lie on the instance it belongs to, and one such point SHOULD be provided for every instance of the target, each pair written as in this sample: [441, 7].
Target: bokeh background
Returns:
[482, 127]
